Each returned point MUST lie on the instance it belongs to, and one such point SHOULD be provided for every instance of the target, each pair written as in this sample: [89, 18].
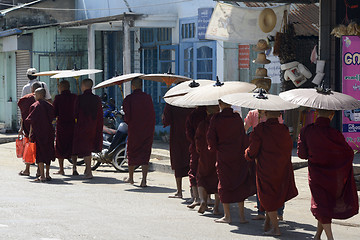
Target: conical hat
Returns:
[261, 59]
[261, 46]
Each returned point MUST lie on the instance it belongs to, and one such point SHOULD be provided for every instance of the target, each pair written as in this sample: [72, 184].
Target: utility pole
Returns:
[127, 54]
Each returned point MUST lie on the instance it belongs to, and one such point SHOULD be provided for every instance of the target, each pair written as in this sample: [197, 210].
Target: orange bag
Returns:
[29, 153]
[20, 145]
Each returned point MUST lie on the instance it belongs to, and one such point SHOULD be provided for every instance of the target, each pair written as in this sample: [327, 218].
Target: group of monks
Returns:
[210, 145]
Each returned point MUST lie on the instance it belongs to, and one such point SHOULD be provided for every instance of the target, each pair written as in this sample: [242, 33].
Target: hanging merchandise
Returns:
[314, 55]
[267, 20]
[279, 35]
[261, 59]
[296, 72]
[261, 46]
[320, 67]
[262, 79]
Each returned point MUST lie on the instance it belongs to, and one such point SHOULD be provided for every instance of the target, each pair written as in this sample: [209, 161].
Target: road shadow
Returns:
[289, 230]
[151, 189]
[94, 180]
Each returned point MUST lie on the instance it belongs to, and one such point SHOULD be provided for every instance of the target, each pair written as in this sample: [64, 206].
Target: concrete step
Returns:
[8, 137]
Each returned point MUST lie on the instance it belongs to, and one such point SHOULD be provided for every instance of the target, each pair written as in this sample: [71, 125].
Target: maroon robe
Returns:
[192, 122]
[40, 118]
[64, 111]
[206, 172]
[88, 127]
[24, 104]
[271, 145]
[226, 136]
[175, 117]
[331, 177]
[140, 117]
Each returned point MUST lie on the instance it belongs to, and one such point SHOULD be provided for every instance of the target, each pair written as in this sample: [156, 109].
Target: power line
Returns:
[93, 9]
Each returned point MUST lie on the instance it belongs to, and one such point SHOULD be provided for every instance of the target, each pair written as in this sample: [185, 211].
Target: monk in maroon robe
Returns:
[24, 104]
[271, 146]
[64, 112]
[140, 117]
[192, 122]
[42, 132]
[207, 179]
[175, 117]
[331, 177]
[88, 127]
[226, 136]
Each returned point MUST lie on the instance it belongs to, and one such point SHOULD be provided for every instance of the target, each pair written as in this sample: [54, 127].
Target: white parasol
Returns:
[48, 73]
[75, 73]
[183, 88]
[261, 101]
[320, 98]
[210, 94]
[167, 78]
[118, 80]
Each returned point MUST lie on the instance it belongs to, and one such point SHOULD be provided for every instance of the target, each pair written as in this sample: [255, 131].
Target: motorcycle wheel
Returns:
[120, 161]
[78, 163]
[94, 163]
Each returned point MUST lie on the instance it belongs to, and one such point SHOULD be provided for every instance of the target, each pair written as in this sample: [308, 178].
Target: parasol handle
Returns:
[77, 84]
[58, 83]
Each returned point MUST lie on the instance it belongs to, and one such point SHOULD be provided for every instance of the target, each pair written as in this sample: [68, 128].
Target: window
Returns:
[204, 62]
[188, 30]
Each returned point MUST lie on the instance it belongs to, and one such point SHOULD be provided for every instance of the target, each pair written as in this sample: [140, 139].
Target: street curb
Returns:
[7, 139]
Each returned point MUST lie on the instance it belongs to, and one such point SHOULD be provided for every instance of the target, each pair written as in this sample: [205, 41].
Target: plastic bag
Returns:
[29, 153]
[20, 146]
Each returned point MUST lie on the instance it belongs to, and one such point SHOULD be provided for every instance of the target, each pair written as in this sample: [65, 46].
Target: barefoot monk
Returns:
[88, 127]
[140, 117]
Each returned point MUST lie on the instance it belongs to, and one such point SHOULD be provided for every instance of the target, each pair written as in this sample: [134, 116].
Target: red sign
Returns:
[244, 56]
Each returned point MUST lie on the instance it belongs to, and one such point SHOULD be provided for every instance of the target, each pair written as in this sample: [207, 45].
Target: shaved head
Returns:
[64, 85]
[136, 83]
[35, 86]
[272, 114]
[40, 93]
[326, 113]
[223, 105]
[87, 83]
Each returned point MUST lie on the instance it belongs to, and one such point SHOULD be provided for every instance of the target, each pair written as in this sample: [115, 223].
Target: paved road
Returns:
[106, 208]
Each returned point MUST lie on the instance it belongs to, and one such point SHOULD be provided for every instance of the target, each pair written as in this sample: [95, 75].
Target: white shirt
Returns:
[27, 88]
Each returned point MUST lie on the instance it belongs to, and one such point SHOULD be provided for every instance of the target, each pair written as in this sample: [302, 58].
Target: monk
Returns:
[24, 104]
[42, 132]
[251, 121]
[331, 177]
[88, 127]
[140, 117]
[206, 177]
[64, 112]
[175, 117]
[226, 135]
[271, 146]
[192, 122]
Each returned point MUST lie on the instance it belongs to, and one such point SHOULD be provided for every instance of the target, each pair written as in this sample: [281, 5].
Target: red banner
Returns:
[244, 56]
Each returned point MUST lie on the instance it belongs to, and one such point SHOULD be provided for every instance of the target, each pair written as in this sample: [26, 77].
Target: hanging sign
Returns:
[244, 56]
[351, 86]
[204, 15]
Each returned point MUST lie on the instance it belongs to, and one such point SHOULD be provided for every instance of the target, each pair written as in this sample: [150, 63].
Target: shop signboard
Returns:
[204, 15]
[351, 86]
[244, 56]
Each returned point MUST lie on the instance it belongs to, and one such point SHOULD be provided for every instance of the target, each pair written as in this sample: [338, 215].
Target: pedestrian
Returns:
[175, 117]
[88, 127]
[207, 179]
[24, 104]
[331, 177]
[140, 117]
[42, 133]
[196, 116]
[64, 112]
[32, 78]
[251, 121]
[226, 136]
[271, 147]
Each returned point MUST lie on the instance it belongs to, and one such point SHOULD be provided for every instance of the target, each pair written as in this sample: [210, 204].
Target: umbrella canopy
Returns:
[259, 101]
[49, 73]
[320, 99]
[166, 78]
[183, 88]
[118, 80]
[210, 94]
[75, 73]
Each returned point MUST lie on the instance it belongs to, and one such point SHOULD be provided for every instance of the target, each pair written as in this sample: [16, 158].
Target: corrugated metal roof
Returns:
[304, 16]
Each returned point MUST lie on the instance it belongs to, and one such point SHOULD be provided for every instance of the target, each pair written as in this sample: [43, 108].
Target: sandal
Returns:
[40, 180]
[75, 173]
[48, 179]
[22, 173]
